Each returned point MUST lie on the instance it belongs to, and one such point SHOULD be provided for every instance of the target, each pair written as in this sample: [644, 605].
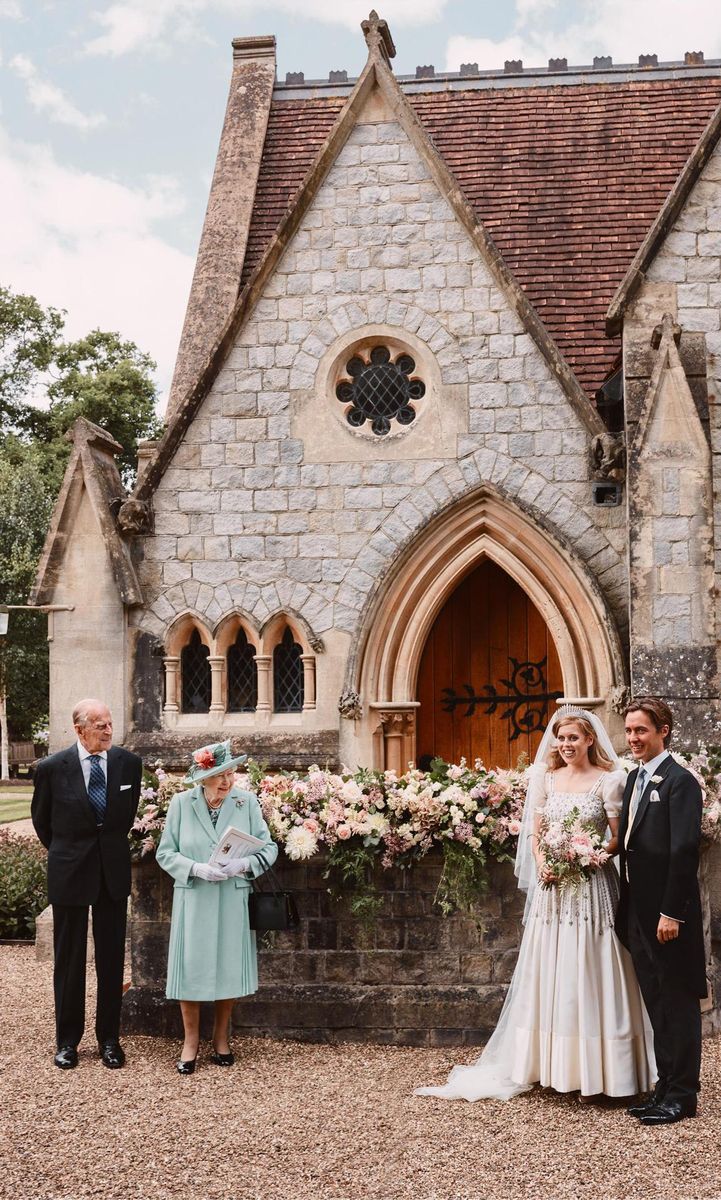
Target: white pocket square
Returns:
[654, 797]
[124, 786]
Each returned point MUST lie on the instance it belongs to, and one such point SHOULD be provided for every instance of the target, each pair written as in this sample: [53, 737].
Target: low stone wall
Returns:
[414, 977]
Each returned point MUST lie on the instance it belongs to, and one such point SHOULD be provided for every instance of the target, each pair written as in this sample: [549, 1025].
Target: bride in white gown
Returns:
[573, 1018]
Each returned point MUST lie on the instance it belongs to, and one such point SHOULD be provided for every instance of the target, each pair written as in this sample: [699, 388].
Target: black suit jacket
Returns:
[79, 854]
[659, 870]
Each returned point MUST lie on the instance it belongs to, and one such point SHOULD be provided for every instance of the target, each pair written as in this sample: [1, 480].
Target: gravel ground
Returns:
[297, 1122]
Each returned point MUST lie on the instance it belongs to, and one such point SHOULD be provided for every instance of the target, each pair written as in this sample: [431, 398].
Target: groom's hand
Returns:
[667, 929]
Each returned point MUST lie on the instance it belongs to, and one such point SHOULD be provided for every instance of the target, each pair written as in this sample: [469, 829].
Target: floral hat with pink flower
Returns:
[212, 760]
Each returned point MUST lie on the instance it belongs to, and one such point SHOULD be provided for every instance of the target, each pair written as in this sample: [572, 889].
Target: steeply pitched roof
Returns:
[566, 178]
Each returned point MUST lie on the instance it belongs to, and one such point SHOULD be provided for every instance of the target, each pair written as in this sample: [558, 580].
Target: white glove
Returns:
[209, 872]
[236, 866]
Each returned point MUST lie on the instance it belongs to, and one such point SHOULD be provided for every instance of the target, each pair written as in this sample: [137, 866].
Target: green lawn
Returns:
[14, 804]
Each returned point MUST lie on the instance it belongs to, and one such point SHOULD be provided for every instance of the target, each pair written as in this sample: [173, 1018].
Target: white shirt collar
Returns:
[651, 767]
[86, 753]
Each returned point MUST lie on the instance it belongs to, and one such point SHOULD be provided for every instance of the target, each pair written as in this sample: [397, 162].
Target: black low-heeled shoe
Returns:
[186, 1067]
[222, 1060]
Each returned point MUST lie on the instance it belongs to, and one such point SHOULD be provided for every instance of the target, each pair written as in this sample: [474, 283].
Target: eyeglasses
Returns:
[101, 726]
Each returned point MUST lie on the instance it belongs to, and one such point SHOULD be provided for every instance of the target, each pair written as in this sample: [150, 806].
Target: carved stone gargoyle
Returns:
[135, 516]
[608, 456]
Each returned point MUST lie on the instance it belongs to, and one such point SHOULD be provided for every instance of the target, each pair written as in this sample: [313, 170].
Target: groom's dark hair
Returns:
[655, 708]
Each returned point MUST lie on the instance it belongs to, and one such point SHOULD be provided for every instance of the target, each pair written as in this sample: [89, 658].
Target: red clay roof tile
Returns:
[566, 179]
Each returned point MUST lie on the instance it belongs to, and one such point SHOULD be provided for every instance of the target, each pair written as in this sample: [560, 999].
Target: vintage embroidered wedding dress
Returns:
[573, 1018]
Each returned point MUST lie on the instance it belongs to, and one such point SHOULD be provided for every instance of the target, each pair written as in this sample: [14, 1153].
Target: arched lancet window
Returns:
[287, 675]
[242, 675]
[195, 676]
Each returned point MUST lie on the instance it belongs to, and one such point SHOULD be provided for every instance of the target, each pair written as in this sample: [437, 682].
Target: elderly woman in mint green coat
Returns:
[212, 952]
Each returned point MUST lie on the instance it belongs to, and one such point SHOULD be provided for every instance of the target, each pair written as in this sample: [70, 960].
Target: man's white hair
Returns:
[83, 708]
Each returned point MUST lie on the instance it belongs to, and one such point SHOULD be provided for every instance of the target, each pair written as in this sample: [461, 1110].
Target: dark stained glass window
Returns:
[287, 675]
[242, 675]
[195, 676]
[380, 390]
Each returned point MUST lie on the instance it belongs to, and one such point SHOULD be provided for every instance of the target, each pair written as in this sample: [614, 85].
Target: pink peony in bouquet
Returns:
[570, 850]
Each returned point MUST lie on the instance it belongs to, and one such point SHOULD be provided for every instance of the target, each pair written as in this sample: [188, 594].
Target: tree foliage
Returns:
[46, 383]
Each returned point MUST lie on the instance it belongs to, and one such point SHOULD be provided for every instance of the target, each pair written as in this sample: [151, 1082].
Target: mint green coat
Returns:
[212, 953]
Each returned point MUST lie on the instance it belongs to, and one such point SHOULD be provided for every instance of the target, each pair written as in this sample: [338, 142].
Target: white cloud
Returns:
[90, 245]
[10, 10]
[138, 25]
[47, 98]
[616, 27]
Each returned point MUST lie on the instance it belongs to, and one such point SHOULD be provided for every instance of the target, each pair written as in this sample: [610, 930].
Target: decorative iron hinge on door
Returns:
[527, 698]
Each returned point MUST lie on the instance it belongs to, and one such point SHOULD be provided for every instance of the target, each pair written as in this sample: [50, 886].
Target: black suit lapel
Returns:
[114, 764]
[625, 806]
[646, 797]
[76, 780]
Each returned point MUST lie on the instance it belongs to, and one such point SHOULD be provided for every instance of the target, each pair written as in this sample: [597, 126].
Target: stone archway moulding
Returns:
[480, 526]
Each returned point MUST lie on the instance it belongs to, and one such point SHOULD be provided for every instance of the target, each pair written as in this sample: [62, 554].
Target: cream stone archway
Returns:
[397, 624]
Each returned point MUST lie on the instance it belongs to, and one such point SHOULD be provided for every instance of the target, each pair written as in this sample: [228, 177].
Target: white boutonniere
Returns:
[657, 779]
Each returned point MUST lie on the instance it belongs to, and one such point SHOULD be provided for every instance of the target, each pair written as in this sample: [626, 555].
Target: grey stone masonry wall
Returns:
[684, 281]
[413, 977]
[254, 517]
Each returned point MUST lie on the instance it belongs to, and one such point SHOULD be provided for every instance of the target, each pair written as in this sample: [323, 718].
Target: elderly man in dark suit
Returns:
[659, 914]
[83, 807]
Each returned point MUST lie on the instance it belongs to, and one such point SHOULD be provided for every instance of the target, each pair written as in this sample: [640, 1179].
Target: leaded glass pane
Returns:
[242, 675]
[287, 675]
[380, 391]
[195, 676]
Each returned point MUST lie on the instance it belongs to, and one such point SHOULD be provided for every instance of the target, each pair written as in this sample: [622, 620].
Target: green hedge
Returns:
[23, 884]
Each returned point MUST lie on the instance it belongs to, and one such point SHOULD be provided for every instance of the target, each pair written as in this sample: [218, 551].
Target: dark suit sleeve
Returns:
[684, 807]
[41, 805]
[137, 785]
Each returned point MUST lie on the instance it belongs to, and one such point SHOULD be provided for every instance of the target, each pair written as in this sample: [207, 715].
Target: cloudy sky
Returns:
[110, 114]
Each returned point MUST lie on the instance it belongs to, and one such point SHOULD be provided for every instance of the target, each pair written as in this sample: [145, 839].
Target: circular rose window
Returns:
[380, 390]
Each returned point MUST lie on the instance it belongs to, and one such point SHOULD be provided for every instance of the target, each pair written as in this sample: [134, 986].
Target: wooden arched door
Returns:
[489, 675]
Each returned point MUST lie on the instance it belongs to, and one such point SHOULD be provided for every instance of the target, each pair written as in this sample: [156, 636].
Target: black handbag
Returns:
[271, 909]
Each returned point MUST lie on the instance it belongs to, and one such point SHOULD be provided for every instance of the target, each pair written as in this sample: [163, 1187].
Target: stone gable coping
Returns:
[663, 225]
[92, 464]
[376, 73]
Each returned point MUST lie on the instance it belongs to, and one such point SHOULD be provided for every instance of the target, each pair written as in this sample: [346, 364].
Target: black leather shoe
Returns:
[222, 1060]
[187, 1066]
[112, 1054]
[668, 1113]
[66, 1058]
[656, 1098]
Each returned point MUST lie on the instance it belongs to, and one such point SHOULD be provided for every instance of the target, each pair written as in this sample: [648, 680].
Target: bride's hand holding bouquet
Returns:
[569, 851]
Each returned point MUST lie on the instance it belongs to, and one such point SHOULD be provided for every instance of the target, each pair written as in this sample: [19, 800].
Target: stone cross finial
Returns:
[668, 328]
[378, 36]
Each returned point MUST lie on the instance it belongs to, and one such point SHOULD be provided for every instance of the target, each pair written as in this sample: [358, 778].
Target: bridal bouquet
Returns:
[571, 851]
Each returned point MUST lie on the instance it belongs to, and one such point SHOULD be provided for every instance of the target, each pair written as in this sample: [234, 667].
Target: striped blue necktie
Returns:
[97, 789]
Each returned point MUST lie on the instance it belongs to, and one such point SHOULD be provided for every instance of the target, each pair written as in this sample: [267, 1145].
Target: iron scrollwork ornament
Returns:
[527, 698]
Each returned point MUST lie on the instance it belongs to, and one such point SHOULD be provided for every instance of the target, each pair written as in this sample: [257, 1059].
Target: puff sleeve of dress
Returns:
[612, 790]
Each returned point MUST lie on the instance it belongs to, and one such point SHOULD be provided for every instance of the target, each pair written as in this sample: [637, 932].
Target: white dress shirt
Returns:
[86, 764]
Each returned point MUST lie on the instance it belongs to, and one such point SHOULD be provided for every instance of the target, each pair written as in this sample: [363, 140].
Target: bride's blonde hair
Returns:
[596, 756]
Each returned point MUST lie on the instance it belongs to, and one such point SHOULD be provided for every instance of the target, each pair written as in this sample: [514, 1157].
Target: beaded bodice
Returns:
[589, 804]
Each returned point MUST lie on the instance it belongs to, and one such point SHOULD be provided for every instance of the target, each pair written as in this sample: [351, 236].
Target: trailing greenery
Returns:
[23, 885]
[349, 871]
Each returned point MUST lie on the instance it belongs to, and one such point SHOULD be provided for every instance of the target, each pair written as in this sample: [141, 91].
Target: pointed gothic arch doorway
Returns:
[489, 674]
[483, 527]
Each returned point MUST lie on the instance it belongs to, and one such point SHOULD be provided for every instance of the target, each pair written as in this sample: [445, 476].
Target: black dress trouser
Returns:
[675, 1016]
[70, 936]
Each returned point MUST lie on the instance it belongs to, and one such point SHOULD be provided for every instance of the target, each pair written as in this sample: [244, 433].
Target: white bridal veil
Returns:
[489, 1077]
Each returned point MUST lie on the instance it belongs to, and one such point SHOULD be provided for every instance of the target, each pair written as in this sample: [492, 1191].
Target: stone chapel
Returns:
[443, 446]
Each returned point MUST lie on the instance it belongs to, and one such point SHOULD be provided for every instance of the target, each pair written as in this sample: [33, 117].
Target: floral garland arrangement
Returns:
[360, 819]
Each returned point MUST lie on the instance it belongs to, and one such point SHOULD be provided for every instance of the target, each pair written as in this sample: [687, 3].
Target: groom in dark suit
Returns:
[83, 807]
[659, 913]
